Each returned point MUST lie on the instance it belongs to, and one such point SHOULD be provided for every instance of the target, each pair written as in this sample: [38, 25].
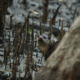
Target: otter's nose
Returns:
[40, 38]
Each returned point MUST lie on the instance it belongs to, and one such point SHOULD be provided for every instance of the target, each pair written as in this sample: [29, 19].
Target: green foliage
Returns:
[29, 31]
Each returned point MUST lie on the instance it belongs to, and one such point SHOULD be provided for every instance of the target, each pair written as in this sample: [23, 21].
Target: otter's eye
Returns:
[48, 37]
[44, 37]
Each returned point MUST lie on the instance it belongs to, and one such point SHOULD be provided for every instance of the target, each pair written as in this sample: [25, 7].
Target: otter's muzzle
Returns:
[40, 38]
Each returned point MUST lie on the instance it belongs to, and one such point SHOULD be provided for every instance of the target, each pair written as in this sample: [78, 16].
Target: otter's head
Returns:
[43, 42]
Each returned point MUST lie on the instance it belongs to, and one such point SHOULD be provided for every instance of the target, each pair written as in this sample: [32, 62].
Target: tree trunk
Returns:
[45, 12]
[3, 8]
[1, 18]
[64, 63]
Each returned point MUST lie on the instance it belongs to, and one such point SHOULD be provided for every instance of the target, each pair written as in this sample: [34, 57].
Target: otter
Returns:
[46, 45]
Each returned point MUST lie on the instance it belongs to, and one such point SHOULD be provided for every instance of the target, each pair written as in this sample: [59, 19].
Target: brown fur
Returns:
[51, 48]
[46, 46]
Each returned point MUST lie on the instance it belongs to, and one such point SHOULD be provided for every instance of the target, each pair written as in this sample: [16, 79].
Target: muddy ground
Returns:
[69, 10]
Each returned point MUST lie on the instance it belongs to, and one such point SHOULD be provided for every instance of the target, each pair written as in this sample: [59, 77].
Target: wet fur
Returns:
[51, 48]
[46, 46]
